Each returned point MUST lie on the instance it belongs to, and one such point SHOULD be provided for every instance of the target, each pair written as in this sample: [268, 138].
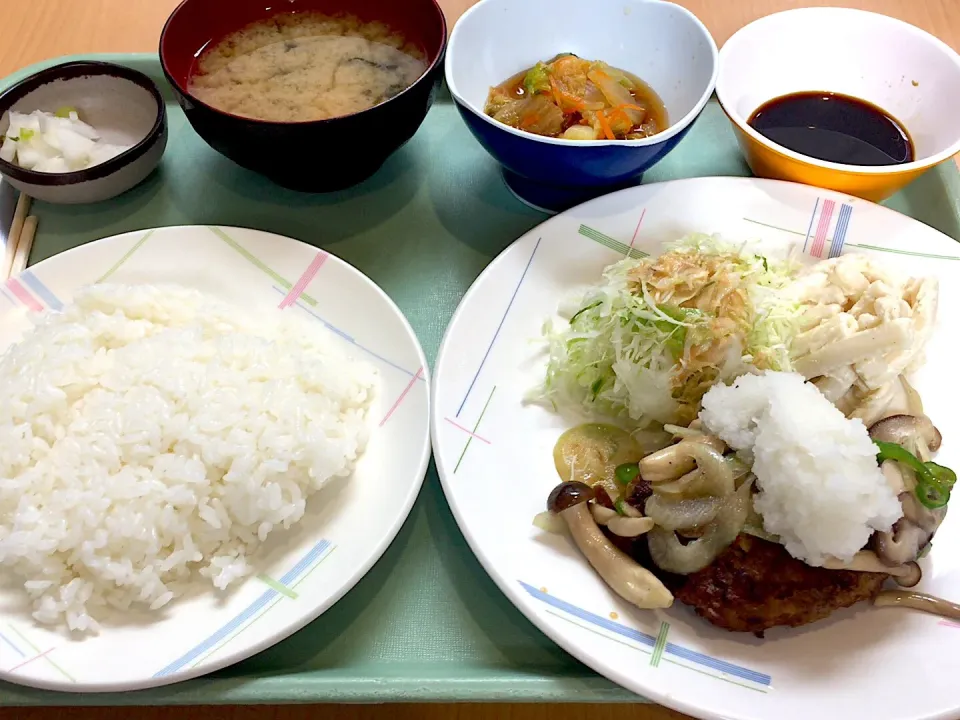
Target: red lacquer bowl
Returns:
[316, 156]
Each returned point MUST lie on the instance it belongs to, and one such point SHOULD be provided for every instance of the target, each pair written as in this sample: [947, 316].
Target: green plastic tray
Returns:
[426, 624]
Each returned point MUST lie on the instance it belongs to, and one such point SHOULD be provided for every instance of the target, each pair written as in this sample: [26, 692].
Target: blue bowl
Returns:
[660, 42]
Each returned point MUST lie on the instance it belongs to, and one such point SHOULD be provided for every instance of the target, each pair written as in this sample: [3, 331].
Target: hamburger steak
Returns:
[755, 585]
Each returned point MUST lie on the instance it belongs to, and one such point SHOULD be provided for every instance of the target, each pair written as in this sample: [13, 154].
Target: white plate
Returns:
[494, 458]
[300, 573]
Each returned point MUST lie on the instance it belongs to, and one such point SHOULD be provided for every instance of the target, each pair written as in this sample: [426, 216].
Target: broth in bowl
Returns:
[302, 67]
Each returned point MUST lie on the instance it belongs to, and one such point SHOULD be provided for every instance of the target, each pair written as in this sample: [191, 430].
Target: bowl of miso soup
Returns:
[315, 94]
[843, 99]
[574, 101]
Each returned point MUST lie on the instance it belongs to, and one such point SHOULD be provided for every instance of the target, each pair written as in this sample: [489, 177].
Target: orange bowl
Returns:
[891, 64]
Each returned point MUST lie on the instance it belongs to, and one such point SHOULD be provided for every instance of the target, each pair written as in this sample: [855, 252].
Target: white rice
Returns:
[147, 433]
[821, 489]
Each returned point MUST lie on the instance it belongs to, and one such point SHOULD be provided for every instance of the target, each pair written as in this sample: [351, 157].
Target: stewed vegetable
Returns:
[576, 99]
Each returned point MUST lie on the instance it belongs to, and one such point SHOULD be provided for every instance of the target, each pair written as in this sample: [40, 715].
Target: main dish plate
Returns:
[494, 455]
[348, 524]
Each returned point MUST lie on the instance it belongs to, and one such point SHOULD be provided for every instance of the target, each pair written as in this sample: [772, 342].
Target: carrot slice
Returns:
[605, 125]
[618, 112]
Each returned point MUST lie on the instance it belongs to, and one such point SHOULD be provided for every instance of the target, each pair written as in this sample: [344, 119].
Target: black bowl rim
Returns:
[441, 53]
[69, 71]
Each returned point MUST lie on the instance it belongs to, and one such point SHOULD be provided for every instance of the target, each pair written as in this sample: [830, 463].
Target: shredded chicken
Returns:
[863, 328]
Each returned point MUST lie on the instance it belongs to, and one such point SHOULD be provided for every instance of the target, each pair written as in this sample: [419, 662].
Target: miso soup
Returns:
[298, 67]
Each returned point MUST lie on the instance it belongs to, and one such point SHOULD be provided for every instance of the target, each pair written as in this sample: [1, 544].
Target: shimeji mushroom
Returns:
[906, 575]
[630, 526]
[911, 533]
[914, 433]
[626, 577]
[702, 455]
[901, 544]
[918, 601]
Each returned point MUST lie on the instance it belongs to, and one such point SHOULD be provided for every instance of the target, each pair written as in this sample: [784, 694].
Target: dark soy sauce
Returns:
[834, 127]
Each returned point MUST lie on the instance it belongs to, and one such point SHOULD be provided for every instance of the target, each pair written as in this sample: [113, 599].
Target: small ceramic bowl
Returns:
[893, 65]
[124, 105]
[316, 156]
[663, 44]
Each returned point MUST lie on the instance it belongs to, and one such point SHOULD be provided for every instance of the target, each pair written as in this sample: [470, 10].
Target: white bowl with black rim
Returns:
[125, 106]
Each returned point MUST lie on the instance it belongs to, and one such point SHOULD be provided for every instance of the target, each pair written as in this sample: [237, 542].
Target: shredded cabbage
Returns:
[647, 342]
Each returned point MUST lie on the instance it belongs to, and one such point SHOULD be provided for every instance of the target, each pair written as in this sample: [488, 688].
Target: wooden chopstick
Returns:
[24, 244]
[13, 239]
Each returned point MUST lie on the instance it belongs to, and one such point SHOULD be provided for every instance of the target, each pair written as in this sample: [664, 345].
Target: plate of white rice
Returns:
[494, 438]
[208, 435]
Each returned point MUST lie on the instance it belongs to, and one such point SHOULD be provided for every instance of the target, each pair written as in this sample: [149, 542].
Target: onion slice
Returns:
[549, 522]
[671, 555]
[681, 514]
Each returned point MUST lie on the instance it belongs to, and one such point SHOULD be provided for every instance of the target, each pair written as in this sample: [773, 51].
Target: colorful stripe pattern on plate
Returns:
[819, 241]
[827, 229]
[253, 612]
[613, 244]
[496, 333]
[658, 647]
[305, 279]
[841, 234]
[472, 433]
[399, 400]
[27, 290]
[16, 640]
[418, 374]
